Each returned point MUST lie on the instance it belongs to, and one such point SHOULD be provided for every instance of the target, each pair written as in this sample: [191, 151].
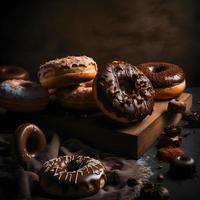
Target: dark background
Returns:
[136, 31]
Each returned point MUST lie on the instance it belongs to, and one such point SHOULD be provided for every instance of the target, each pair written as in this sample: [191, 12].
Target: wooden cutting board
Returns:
[121, 139]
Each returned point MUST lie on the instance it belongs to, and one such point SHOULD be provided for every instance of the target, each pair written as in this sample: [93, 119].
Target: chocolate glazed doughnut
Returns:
[29, 140]
[182, 166]
[13, 72]
[72, 176]
[167, 79]
[123, 92]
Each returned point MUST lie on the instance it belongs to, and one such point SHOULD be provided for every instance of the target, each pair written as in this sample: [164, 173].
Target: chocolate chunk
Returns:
[113, 178]
[172, 130]
[165, 141]
[160, 177]
[152, 191]
[193, 119]
[176, 106]
[131, 182]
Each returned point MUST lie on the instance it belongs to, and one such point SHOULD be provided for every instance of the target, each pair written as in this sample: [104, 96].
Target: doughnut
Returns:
[167, 79]
[23, 96]
[77, 98]
[123, 92]
[167, 153]
[8, 72]
[72, 176]
[176, 106]
[66, 71]
[29, 141]
[182, 166]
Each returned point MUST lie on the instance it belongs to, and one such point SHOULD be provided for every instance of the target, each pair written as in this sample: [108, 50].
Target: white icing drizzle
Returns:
[58, 167]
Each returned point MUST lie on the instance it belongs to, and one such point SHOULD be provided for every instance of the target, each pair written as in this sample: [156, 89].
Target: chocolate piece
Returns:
[113, 178]
[182, 166]
[152, 191]
[176, 106]
[124, 91]
[160, 177]
[165, 141]
[167, 153]
[160, 166]
[172, 130]
[193, 119]
[161, 193]
[163, 74]
[131, 182]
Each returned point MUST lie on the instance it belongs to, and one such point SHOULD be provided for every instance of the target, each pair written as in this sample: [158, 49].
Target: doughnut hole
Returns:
[183, 158]
[127, 85]
[33, 144]
[75, 165]
[157, 69]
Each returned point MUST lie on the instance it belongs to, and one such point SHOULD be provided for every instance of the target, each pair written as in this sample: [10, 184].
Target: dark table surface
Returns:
[184, 189]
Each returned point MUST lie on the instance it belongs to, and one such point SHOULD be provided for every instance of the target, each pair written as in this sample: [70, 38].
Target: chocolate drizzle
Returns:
[162, 74]
[124, 90]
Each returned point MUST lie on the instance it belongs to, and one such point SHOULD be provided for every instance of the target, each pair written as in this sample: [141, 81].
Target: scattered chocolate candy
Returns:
[113, 178]
[160, 166]
[160, 177]
[182, 166]
[172, 130]
[161, 193]
[165, 141]
[176, 106]
[193, 119]
[131, 182]
[151, 191]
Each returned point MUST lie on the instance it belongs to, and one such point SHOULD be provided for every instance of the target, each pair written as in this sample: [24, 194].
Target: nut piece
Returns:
[176, 106]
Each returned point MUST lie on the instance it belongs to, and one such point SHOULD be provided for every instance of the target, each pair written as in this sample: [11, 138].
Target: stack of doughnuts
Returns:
[18, 93]
[69, 75]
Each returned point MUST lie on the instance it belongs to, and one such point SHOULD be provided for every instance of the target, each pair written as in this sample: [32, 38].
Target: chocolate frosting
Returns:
[74, 169]
[123, 89]
[163, 74]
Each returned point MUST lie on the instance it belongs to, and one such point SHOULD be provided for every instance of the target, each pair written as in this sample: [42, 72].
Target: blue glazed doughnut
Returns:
[23, 96]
